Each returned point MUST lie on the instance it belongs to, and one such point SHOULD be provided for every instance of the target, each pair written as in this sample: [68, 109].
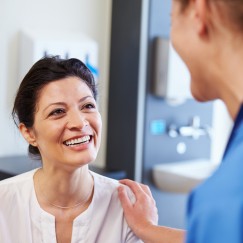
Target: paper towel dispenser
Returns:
[171, 78]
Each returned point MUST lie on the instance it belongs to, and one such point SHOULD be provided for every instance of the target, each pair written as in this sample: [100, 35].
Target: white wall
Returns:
[91, 17]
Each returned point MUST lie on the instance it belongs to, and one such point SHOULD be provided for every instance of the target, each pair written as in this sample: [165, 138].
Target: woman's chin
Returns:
[198, 98]
[201, 97]
[198, 95]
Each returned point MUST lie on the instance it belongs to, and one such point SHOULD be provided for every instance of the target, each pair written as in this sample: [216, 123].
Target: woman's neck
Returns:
[227, 75]
[64, 188]
[231, 87]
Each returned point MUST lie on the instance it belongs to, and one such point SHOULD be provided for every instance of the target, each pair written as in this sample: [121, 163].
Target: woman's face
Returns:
[187, 42]
[67, 124]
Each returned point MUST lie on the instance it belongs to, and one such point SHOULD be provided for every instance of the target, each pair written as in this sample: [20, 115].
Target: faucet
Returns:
[193, 130]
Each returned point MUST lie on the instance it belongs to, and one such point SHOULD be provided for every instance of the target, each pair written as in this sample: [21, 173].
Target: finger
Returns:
[149, 193]
[123, 196]
[134, 186]
[126, 181]
[146, 190]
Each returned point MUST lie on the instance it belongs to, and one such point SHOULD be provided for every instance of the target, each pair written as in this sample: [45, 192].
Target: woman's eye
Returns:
[57, 112]
[89, 106]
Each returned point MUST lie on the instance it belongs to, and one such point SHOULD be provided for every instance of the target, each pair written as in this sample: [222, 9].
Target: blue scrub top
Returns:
[215, 208]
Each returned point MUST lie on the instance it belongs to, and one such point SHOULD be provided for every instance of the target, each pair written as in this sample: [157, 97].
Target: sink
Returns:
[182, 176]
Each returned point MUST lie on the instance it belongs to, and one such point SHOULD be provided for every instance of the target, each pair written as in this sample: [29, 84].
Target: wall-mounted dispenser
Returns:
[171, 78]
[35, 44]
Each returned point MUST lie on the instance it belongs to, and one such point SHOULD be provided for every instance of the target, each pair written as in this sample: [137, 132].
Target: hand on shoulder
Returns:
[142, 213]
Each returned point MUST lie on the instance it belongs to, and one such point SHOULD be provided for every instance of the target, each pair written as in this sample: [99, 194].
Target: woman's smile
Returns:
[79, 143]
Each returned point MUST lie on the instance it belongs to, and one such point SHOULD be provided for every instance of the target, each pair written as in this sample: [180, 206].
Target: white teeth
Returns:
[83, 139]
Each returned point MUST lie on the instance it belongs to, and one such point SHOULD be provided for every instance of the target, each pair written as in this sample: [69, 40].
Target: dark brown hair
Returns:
[45, 71]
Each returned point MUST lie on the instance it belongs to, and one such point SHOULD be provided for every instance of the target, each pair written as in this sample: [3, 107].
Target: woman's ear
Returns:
[28, 134]
[201, 10]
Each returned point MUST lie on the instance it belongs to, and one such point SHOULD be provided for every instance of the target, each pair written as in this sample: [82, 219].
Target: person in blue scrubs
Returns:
[208, 35]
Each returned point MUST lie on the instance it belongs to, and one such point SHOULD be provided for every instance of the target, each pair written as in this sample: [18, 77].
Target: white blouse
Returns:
[22, 220]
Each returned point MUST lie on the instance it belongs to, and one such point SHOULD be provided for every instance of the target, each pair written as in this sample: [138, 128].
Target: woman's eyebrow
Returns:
[86, 97]
[63, 103]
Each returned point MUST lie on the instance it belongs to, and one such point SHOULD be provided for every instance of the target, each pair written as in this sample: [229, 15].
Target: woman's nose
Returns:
[77, 120]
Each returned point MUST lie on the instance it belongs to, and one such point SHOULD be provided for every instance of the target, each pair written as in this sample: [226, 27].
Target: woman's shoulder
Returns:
[110, 185]
[104, 181]
[17, 181]
[16, 190]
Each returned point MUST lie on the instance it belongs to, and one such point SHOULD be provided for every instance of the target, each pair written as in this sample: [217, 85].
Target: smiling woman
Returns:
[56, 112]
